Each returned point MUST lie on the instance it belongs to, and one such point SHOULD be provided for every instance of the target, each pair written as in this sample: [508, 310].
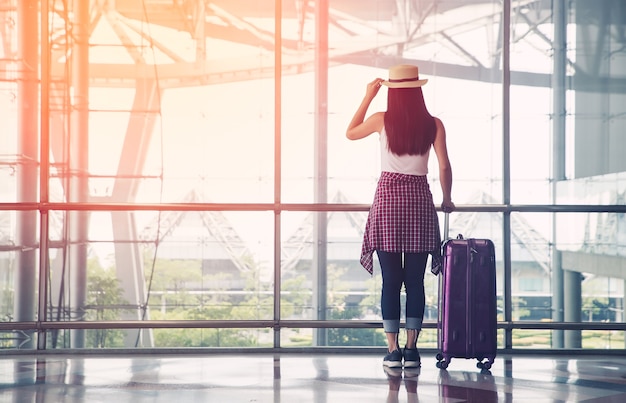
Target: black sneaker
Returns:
[393, 359]
[412, 358]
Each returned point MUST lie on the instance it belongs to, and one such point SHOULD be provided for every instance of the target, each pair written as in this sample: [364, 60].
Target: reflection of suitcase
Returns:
[468, 387]
[467, 302]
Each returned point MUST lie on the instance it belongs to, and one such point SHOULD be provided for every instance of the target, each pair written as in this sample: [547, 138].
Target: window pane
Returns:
[180, 265]
[186, 112]
[532, 100]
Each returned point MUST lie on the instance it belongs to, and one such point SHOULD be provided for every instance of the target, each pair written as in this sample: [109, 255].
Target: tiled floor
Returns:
[301, 378]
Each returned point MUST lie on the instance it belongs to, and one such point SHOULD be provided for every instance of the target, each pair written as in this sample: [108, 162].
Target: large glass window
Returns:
[158, 166]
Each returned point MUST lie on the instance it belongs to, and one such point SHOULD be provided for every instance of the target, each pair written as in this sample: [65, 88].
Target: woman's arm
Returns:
[360, 127]
[445, 169]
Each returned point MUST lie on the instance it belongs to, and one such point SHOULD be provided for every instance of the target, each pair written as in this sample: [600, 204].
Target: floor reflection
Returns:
[396, 377]
[468, 386]
[301, 378]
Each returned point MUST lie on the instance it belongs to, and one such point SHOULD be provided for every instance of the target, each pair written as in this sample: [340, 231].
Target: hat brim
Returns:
[405, 84]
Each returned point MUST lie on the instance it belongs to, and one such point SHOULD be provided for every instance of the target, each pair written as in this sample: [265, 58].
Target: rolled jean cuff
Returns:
[391, 325]
[414, 323]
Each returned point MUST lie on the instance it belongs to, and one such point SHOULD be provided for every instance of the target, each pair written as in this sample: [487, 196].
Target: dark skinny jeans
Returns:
[395, 272]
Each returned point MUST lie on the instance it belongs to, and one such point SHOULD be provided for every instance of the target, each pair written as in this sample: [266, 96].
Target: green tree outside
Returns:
[104, 303]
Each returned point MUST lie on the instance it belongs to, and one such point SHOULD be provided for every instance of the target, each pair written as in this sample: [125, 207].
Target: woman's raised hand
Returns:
[373, 87]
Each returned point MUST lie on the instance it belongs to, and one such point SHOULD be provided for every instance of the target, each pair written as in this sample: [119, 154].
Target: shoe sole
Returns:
[392, 364]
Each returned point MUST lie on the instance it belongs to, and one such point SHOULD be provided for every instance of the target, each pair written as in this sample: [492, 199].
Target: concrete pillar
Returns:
[572, 297]
[27, 170]
[559, 108]
[320, 260]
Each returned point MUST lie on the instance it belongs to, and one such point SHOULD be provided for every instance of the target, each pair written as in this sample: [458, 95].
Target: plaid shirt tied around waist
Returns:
[402, 219]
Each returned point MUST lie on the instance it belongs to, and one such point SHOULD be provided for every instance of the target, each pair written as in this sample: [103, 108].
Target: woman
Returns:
[402, 226]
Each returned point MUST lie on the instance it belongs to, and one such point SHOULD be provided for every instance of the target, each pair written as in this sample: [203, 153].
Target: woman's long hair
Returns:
[410, 128]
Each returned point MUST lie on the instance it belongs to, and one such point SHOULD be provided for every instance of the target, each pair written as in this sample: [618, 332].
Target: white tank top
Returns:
[404, 164]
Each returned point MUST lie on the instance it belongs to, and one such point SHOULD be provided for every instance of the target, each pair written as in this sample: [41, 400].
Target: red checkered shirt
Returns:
[402, 219]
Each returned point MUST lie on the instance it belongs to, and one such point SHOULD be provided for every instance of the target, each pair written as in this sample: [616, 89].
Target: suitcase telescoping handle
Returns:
[446, 228]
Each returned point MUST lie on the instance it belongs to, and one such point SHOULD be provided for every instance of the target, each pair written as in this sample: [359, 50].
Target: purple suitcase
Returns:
[467, 325]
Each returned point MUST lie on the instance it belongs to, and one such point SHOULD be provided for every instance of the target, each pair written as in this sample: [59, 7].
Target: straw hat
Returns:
[404, 76]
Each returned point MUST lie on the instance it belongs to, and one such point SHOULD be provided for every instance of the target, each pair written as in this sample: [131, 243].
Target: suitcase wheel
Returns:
[442, 362]
[484, 365]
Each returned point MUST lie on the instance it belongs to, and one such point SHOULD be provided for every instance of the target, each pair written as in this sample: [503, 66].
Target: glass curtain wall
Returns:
[177, 175]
